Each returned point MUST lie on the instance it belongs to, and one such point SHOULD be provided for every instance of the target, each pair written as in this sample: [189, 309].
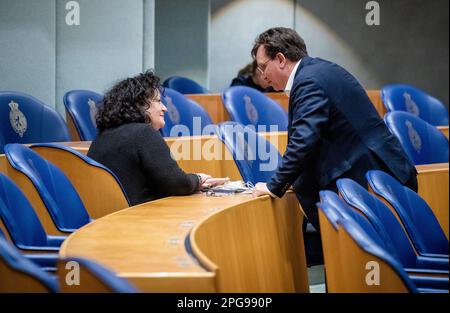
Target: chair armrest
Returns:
[55, 241]
[39, 248]
[434, 255]
[47, 262]
[430, 282]
[432, 263]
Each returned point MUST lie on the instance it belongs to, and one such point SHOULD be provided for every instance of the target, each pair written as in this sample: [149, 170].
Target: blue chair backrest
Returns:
[249, 106]
[417, 217]
[363, 233]
[82, 105]
[184, 85]
[17, 262]
[25, 119]
[55, 189]
[381, 218]
[401, 97]
[422, 142]
[256, 158]
[188, 117]
[19, 217]
[83, 157]
[106, 276]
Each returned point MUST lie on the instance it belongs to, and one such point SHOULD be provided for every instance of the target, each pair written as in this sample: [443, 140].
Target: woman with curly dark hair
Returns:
[130, 145]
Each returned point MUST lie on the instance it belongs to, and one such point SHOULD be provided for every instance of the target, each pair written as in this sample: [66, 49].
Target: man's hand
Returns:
[260, 190]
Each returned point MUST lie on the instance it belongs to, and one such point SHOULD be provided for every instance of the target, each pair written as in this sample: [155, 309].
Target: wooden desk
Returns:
[242, 244]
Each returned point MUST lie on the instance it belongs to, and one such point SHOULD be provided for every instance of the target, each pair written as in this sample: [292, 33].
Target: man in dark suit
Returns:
[334, 130]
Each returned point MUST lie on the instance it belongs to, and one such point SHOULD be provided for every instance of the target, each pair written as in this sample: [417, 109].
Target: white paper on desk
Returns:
[232, 187]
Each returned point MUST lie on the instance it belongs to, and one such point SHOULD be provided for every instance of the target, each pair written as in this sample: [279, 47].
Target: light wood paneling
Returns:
[243, 245]
[444, 130]
[13, 281]
[375, 97]
[331, 254]
[72, 129]
[203, 154]
[433, 180]
[146, 244]
[281, 97]
[98, 189]
[212, 103]
[354, 261]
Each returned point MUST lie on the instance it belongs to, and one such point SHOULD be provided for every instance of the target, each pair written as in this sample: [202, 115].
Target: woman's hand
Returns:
[202, 180]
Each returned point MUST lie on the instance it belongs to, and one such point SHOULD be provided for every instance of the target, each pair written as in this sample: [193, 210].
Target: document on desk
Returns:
[230, 188]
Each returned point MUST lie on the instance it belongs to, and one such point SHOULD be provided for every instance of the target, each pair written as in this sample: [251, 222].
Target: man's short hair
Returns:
[281, 39]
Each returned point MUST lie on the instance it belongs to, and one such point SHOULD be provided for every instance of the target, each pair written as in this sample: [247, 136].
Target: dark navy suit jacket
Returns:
[334, 131]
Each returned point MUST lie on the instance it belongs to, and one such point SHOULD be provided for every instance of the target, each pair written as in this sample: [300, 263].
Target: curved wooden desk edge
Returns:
[155, 270]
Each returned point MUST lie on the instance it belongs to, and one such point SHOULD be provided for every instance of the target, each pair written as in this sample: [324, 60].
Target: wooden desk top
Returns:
[152, 234]
[146, 243]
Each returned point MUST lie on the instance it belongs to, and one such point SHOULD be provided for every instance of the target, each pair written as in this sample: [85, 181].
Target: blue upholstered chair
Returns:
[98, 187]
[416, 216]
[184, 117]
[25, 119]
[81, 107]
[98, 278]
[21, 221]
[55, 190]
[364, 235]
[401, 97]
[20, 274]
[184, 85]
[256, 158]
[422, 142]
[389, 228]
[248, 106]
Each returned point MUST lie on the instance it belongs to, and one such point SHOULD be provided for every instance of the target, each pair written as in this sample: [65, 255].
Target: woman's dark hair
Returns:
[127, 101]
[281, 39]
[249, 69]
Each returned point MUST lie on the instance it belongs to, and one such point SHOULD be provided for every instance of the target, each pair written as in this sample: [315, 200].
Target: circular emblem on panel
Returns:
[414, 136]
[92, 110]
[250, 110]
[17, 119]
[411, 106]
[172, 111]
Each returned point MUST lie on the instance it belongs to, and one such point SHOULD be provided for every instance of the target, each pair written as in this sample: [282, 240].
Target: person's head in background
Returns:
[276, 51]
[251, 77]
[133, 100]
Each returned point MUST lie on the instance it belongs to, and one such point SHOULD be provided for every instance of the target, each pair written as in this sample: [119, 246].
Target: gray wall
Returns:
[40, 54]
[410, 45]
[181, 39]
[27, 47]
[234, 26]
[210, 41]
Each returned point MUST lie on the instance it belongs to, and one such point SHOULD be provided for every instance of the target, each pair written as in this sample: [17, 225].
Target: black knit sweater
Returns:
[141, 159]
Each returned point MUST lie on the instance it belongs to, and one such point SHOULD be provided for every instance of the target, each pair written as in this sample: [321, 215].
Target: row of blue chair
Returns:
[413, 245]
[395, 97]
[19, 274]
[25, 119]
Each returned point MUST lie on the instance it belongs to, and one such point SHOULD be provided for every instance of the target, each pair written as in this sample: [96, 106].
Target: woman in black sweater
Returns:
[130, 145]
